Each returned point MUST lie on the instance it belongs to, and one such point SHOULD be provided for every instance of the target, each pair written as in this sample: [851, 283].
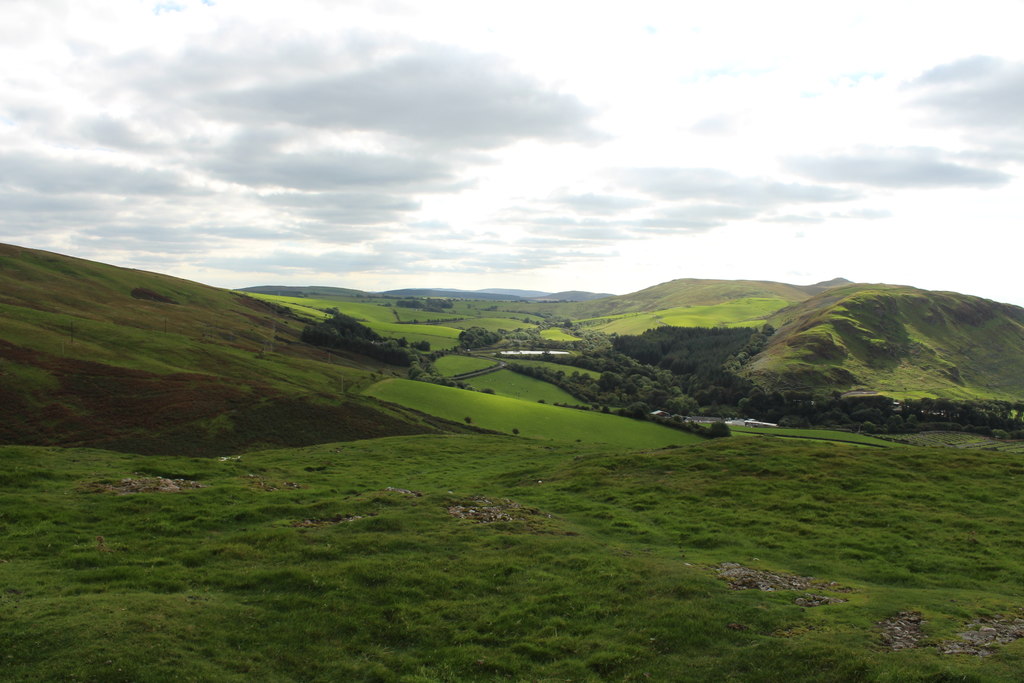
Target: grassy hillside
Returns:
[900, 341]
[531, 419]
[514, 385]
[92, 354]
[684, 292]
[495, 558]
[752, 312]
[450, 366]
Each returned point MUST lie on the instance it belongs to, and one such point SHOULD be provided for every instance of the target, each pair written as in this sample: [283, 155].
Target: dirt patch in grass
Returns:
[748, 578]
[261, 484]
[485, 511]
[404, 492]
[143, 485]
[812, 600]
[329, 521]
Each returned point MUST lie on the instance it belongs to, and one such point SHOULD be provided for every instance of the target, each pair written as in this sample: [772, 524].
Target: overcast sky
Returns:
[555, 145]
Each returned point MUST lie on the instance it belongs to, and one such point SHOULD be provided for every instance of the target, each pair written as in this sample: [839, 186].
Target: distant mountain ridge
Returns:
[498, 294]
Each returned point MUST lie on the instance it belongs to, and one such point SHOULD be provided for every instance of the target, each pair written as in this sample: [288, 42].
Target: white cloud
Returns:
[560, 145]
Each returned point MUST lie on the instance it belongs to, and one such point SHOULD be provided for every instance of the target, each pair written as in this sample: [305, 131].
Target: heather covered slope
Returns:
[92, 354]
[897, 340]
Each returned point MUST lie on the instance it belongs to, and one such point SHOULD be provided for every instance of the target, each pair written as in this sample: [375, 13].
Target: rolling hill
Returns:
[95, 355]
[691, 292]
[897, 340]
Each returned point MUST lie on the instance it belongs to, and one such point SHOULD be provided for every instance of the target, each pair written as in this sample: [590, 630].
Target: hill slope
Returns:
[488, 558]
[688, 292]
[92, 354]
[897, 340]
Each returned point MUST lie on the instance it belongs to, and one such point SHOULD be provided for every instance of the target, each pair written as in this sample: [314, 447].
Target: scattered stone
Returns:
[903, 631]
[748, 578]
[485, 511]
[983, 635]
[405, 491]
[264, 485]
[145, 485]
[336, 519]
[812, 600]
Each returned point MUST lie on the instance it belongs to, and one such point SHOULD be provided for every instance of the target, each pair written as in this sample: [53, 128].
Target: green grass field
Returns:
[750, 312]
[493, 324]
[367, 561]
[555, 367]
[555, 334]
[820, 434]
[514, 385]
[450, 366]
[960, 440]
[535, 420]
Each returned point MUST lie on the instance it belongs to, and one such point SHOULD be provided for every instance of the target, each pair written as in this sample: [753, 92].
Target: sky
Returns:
[552, 146]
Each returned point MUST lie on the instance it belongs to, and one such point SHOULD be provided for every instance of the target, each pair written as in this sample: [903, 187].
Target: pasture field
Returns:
[556, 334]
[819, 434]
[959, 440]
[364, 312]
[484, 558]
[514, 385]
[534, 420]
[450, 366]
[439, 336]
[750, 312]
[492, 324]
[555, 367]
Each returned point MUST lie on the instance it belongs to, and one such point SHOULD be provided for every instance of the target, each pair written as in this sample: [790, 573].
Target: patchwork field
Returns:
[452, 365]
[750, 312]
[514, 385]
[960, 440]
[530, 419]
[554, 367]
[818, 434]
[555, 334]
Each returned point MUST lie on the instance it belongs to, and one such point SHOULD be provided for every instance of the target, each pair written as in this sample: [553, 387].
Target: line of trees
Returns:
[346, 333]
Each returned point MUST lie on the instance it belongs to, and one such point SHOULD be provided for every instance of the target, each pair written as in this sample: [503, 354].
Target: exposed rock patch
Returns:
[336, 519]
[983, 634]
[406, 492]
[902, 631]
[262, 484]
[145, 485]
[486, 511]
[812, 600]
[748, 578]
